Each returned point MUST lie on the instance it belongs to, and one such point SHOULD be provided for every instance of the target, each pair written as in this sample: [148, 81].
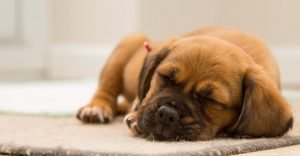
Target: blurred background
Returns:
[51, 51]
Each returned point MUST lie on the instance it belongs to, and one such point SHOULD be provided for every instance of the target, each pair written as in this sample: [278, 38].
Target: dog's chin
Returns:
[151, 131]
[160, 137]
[182, 137]
[163, 137]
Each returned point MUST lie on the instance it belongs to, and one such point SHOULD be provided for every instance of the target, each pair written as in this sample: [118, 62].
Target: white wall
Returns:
[92, 21]
[276, 21]
[105, 21]
[23, 38]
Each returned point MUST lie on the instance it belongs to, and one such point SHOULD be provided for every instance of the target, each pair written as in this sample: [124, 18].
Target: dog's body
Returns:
[232, 68]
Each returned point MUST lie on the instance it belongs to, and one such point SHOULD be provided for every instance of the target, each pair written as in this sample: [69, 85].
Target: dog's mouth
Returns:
[150, 125]
[168, 134]
[160, 137]
[165, 133]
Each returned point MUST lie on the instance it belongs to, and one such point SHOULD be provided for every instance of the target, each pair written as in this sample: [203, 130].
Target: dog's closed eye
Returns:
[205, 98]
[166, 78]
[169, 79]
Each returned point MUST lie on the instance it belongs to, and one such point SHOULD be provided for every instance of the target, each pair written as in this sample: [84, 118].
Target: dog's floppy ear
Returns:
[264, 111]
[150, 64]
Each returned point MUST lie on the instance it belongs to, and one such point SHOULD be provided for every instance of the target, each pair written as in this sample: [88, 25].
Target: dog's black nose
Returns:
[167, 115]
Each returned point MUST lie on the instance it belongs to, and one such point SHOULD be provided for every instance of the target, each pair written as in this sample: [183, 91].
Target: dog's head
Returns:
[195, 88]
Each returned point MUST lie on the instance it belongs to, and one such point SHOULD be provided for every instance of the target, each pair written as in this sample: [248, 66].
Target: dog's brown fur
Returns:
[225, 81]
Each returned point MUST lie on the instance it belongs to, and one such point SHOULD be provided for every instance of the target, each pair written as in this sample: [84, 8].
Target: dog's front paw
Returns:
[95, 113]
[131, 121]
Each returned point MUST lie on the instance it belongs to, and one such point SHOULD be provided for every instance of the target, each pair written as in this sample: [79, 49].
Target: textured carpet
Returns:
[36, 135]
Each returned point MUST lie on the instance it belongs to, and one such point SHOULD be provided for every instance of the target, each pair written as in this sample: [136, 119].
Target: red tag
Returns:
[147, 47]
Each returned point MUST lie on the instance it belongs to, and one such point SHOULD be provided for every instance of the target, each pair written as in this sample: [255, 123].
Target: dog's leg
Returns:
[123, 107]
[103, 107]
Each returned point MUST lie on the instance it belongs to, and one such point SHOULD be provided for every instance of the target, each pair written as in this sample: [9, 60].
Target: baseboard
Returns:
[76, 60]
[86, 61]
[21, 62]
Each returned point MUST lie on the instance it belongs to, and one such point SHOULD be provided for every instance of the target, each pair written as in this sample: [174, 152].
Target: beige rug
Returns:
[36, 135]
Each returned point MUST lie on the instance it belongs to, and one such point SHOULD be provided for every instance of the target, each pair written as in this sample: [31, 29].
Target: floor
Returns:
[50, 97]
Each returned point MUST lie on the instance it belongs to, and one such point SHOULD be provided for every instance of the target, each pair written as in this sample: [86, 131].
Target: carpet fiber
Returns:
[37, 135]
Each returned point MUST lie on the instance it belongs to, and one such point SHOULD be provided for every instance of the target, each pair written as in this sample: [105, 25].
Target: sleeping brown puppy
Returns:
[193, 87]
